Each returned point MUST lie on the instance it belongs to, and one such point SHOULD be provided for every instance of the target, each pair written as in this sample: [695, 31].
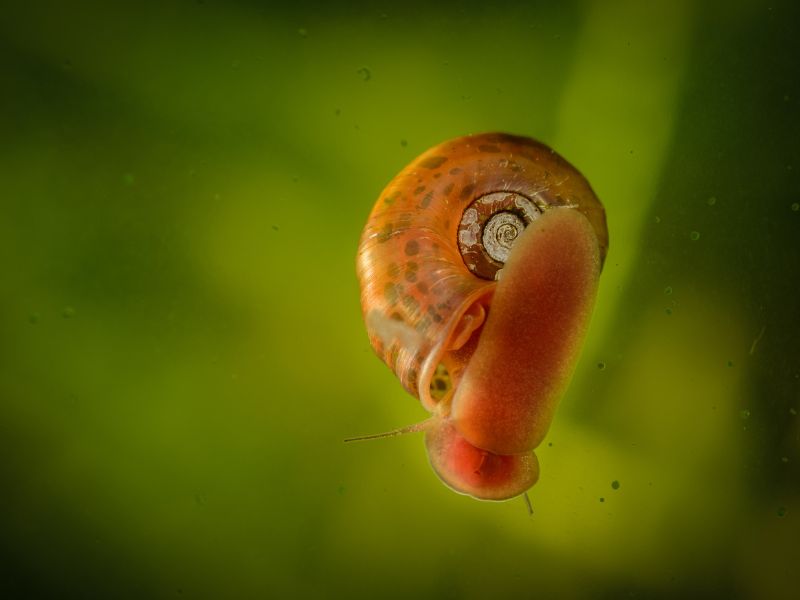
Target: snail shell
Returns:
[437, 251]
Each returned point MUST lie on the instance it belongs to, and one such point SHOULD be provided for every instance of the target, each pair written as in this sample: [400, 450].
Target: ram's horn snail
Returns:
[478, 267]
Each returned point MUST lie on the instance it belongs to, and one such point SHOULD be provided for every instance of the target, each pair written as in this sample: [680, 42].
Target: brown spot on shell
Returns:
[426, 200]
[448, 188]
[385, 233]
[434, 315]
[390, 290]
[411, 303]
[393, 197]
[394, 352]
[419, 190]
[466, 191]
[488, 148]
[455, 171]
[423, 324]
[433, 162]
[412, 247]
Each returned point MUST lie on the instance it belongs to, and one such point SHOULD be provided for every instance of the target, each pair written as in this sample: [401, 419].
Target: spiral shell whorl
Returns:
[421, 259]
[488, 228]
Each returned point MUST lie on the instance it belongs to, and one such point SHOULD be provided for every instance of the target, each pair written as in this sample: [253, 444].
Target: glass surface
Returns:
[181, 344]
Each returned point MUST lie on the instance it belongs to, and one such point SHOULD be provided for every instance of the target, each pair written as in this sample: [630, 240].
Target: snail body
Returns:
[478, 267]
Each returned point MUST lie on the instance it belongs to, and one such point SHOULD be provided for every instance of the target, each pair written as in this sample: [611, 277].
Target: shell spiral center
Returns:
[489, 227]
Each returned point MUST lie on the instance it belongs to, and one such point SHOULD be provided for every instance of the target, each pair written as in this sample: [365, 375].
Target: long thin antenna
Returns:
[402, 431]
[528, 503]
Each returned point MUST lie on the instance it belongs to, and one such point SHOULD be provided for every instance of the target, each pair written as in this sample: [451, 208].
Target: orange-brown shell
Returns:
[415, 286]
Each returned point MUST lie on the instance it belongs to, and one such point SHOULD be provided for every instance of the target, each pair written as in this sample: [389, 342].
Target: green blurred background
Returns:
[181, 345]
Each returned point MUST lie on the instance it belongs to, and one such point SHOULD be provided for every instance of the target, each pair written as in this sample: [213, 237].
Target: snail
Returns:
[479, 266]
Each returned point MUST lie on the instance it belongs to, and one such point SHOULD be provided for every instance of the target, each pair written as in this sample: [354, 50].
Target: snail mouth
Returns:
[525, 351]
[469, 470]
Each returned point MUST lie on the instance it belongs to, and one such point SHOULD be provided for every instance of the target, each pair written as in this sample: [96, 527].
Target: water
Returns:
[181, 345]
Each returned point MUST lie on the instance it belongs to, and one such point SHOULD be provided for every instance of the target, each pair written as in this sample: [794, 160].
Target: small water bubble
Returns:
[792, 412]
[668, 290]
[744, 414]
[68, 312]
[730, 363]
[403, 143]
[601, 365]
[796, 206]
[668, 310]
[550, 444]
[128, 179]
[694, 236]
[712, 201]
[602, 499]
[781, 512]
[275, 228]
[33, 318]
[784, 459]
[615, 485]
[337, 112]
[302, 32]
[657, 220]
[365, 73]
